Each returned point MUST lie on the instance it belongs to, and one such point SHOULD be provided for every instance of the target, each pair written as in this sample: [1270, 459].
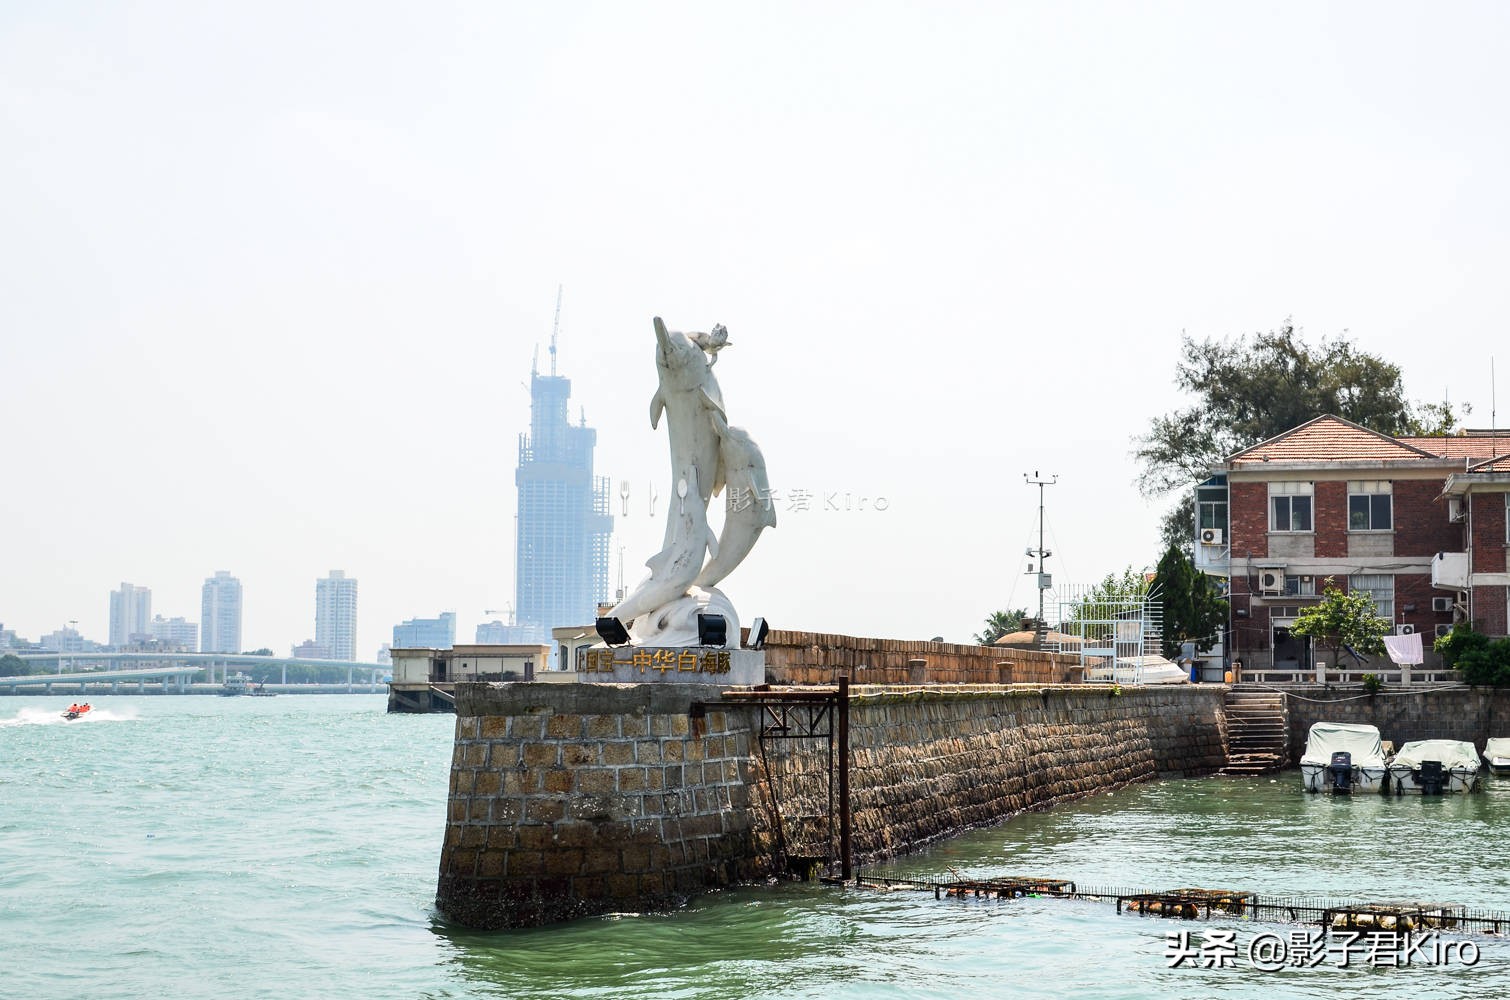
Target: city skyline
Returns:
[947, 253]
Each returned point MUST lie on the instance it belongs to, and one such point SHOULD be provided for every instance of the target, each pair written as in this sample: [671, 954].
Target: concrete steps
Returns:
[1257, 732]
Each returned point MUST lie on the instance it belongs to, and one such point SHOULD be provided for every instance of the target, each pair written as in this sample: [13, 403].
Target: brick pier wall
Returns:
[1459, 713]
[574, 800]
[821, 658]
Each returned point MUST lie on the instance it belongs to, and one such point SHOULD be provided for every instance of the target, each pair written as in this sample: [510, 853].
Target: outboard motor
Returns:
[1340, 772]
[1431, 777]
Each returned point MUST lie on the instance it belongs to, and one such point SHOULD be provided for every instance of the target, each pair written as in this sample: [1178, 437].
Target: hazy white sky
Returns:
[271, 275]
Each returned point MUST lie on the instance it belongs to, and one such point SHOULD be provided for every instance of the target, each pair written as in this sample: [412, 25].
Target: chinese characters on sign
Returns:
[794, 500]
[696, 661]
[1306, 949]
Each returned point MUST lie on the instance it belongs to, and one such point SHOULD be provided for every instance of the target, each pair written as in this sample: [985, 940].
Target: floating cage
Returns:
[1196, 903]
[1186, 904]
[1398, 917]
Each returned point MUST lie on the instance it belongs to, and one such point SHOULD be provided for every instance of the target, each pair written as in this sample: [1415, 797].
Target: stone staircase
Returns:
[1257, 732]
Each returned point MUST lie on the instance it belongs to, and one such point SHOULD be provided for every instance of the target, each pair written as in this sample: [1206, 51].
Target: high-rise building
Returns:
[220, 613]
[130, 613]
[426, 633]
[561, 562]
[178, 633]
[336, 616]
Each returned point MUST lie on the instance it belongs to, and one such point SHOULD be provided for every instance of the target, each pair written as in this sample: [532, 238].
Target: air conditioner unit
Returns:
[1271, 581]
[1442, 630]
[1441, 605]
[1406, 629]
[1211, 536]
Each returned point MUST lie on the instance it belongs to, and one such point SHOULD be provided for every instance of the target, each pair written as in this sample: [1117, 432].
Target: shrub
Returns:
[1482, 661]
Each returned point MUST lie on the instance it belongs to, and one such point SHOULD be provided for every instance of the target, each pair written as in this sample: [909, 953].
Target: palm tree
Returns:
[999, 623]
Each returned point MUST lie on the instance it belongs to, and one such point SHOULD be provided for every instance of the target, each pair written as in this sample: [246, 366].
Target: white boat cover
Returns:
[1498, 748]
[1327, 738]
[1454, 754]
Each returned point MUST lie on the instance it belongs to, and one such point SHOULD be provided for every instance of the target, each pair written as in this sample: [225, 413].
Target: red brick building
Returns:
[1418, 523]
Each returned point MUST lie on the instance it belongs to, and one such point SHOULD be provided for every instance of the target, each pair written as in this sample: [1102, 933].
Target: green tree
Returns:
[1193, 607]
[1340, 619]
[999, 623]
[1110, 599]
[264, 651]
[1251, 389]
[1482, 660]
[12, 665]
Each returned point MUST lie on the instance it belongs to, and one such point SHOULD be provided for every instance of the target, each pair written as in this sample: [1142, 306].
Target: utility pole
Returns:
[1040, 553]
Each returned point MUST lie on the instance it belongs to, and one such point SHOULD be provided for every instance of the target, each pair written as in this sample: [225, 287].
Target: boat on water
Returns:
[76, 710]
[261, 691]
[1433, 767]
[234, 685]
[1497, 753]
[1343, 757]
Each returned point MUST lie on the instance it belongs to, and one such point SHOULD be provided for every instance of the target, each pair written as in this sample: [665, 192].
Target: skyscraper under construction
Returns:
[561, 564]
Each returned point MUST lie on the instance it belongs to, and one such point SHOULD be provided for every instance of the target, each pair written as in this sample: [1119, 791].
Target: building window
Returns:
[1300, 586]
[1290, 506]
[1381, 588]
[1211, 505]
[1370, 506]
[1507, 518]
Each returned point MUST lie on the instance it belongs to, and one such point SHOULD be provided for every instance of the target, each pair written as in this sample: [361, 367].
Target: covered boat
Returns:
[1497, 753]
[1432, 767]
[1341, 757]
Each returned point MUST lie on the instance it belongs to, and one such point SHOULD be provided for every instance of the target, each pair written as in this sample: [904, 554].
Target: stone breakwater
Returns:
[574, 800]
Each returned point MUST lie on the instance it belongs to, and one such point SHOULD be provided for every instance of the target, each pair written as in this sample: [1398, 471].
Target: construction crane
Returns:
[494, 611]
[555, 329]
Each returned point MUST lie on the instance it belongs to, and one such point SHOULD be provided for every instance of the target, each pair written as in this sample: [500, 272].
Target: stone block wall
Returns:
[1459, 713]
[568, 800]
[821, 658]
[927, 763]
[572, 800]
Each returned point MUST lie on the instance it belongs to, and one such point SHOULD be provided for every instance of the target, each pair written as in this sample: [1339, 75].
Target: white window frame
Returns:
[1292, 490]
[1370, 584]
[1371, 488]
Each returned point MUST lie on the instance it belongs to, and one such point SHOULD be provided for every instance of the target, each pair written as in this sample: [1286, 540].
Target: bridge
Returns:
[175, 671]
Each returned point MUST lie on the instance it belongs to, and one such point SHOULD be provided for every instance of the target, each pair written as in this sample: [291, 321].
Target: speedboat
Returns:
[1341, 757]
[1432, 767]
[1497, 753]
[74, 711]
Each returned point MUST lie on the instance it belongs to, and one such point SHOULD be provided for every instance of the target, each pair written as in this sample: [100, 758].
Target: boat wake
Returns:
[54, 717]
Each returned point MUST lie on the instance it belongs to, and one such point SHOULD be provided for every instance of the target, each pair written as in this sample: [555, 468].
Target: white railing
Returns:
[1389, 675]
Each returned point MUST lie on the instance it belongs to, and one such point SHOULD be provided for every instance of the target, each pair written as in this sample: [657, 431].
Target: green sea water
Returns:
[201, 847]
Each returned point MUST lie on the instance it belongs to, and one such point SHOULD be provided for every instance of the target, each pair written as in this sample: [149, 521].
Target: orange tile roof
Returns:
[1459, 446]
[1329, 439]
[1500, 464]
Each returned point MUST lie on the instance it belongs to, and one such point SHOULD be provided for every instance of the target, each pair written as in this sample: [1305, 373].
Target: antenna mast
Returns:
[555, 329]
[1040, 553]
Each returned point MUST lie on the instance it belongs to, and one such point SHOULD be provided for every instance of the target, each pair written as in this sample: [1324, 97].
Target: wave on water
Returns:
[54, 717]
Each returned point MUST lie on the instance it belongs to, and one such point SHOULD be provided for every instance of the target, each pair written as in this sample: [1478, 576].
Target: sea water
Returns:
[203, 847]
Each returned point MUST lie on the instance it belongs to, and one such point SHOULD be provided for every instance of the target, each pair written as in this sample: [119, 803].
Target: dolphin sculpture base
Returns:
[675, 623]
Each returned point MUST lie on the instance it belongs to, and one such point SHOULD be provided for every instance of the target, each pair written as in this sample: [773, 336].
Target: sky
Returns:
[272, 276]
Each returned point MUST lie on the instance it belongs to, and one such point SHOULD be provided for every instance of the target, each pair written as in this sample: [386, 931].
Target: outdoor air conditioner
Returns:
[1271, 581]
[1406, 629]
[1211, 536]
[1442, 630]
[1441, 605]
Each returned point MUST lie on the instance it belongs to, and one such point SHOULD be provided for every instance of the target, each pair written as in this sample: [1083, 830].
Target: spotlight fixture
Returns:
[612, 631]
[712, 630]
[758, 631]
